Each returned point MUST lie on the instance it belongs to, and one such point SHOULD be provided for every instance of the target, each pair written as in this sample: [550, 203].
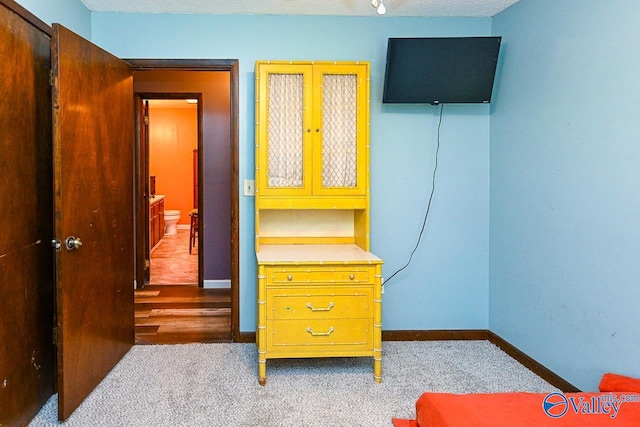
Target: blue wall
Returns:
[73, 14]
[447, 284]
[565, 186]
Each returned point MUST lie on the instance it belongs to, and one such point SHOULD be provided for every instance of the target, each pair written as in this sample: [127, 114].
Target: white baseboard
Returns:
[217, 284]
[183, 226]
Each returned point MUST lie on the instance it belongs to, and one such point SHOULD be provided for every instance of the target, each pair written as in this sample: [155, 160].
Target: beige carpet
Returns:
[217, 385]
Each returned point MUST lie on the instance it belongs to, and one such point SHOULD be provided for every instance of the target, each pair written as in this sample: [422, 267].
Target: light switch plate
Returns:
[249, 187]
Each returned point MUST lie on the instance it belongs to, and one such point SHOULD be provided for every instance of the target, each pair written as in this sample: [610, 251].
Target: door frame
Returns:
[231, 66]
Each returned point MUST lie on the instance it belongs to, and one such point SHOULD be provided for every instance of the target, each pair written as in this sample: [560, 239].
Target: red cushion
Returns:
[399, 422]
[615, 382]
[519, 409]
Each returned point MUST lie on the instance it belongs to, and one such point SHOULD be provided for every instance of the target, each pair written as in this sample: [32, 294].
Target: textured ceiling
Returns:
[471, 8]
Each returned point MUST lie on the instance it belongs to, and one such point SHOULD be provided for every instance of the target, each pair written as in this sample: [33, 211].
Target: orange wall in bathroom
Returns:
[173, 135]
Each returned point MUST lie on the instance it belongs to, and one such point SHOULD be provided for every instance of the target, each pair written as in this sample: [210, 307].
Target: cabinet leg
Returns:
[377, 369]
[262, 372]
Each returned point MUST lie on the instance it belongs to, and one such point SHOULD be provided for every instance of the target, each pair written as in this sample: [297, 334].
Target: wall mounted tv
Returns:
[440, 70]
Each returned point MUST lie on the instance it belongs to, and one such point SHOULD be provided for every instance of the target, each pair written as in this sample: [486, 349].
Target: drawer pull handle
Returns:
[289, 277]
[320, 334]
[329, 307]
[351, 276]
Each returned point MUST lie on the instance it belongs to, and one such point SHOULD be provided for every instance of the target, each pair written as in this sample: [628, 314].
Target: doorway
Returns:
[215, 84]
[173, 133]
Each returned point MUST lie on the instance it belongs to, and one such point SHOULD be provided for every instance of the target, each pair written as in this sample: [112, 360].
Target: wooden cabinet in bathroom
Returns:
[153, 225]
[159, 224]
[156, 221]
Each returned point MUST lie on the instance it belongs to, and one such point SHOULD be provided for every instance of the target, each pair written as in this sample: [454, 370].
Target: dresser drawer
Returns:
[320, 303]
[333, 335]
[319, 275]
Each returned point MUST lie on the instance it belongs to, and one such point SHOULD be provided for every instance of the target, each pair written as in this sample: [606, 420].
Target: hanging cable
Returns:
[433, 188]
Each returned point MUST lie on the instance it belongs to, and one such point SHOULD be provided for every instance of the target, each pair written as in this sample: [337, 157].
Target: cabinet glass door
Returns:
[284, 126]
[340, 132]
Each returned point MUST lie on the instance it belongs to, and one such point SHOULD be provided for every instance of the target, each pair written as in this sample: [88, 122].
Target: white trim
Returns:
[183, 226]
[217, 284]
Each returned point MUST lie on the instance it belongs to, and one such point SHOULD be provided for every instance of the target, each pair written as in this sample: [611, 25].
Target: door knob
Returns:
[72, 243]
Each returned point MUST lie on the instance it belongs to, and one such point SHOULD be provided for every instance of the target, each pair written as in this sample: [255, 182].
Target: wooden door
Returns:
[93, 138]
[26, 218]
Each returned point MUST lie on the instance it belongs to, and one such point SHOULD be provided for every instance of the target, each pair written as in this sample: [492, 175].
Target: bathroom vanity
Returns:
[156, 220]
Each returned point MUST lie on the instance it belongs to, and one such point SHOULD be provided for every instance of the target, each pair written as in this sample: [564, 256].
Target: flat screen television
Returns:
[440, 70]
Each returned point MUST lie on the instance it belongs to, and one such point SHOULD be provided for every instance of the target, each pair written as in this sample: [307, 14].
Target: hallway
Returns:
[172, 309]
[174, 314]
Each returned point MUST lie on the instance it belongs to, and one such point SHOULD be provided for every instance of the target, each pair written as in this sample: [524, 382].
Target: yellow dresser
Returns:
[319, 301]
[319, 287]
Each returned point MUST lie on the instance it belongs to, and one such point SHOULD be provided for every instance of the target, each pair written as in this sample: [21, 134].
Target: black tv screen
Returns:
[440, 70]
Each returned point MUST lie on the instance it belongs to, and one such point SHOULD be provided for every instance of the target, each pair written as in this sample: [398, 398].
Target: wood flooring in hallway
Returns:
[172, 309]
[177, 314]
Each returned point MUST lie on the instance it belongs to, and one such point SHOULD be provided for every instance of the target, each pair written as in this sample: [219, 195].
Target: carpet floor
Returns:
[217, 385]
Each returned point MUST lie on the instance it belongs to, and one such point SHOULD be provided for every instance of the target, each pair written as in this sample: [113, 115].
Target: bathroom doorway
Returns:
[172, 130]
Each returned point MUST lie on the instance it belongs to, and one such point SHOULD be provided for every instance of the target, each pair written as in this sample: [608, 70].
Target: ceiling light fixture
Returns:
[379, 6]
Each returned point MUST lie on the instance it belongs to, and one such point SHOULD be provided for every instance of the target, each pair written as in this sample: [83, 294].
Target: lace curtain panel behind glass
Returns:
[286, 131]
[285, 151]
[339, 130]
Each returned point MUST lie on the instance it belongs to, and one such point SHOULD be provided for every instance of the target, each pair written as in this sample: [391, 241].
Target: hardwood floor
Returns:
[172, 309]
[176, 314]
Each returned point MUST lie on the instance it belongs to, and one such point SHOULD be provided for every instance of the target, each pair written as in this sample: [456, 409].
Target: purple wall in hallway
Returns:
[216, 156]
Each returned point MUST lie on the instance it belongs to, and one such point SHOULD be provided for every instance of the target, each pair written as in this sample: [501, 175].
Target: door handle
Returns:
[72, 243]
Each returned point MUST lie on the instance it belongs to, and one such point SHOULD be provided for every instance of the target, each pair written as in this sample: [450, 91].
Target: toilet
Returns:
[171, 218]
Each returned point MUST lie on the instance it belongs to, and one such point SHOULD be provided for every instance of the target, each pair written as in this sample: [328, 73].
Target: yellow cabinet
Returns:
[311, 130]
[318, 287]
